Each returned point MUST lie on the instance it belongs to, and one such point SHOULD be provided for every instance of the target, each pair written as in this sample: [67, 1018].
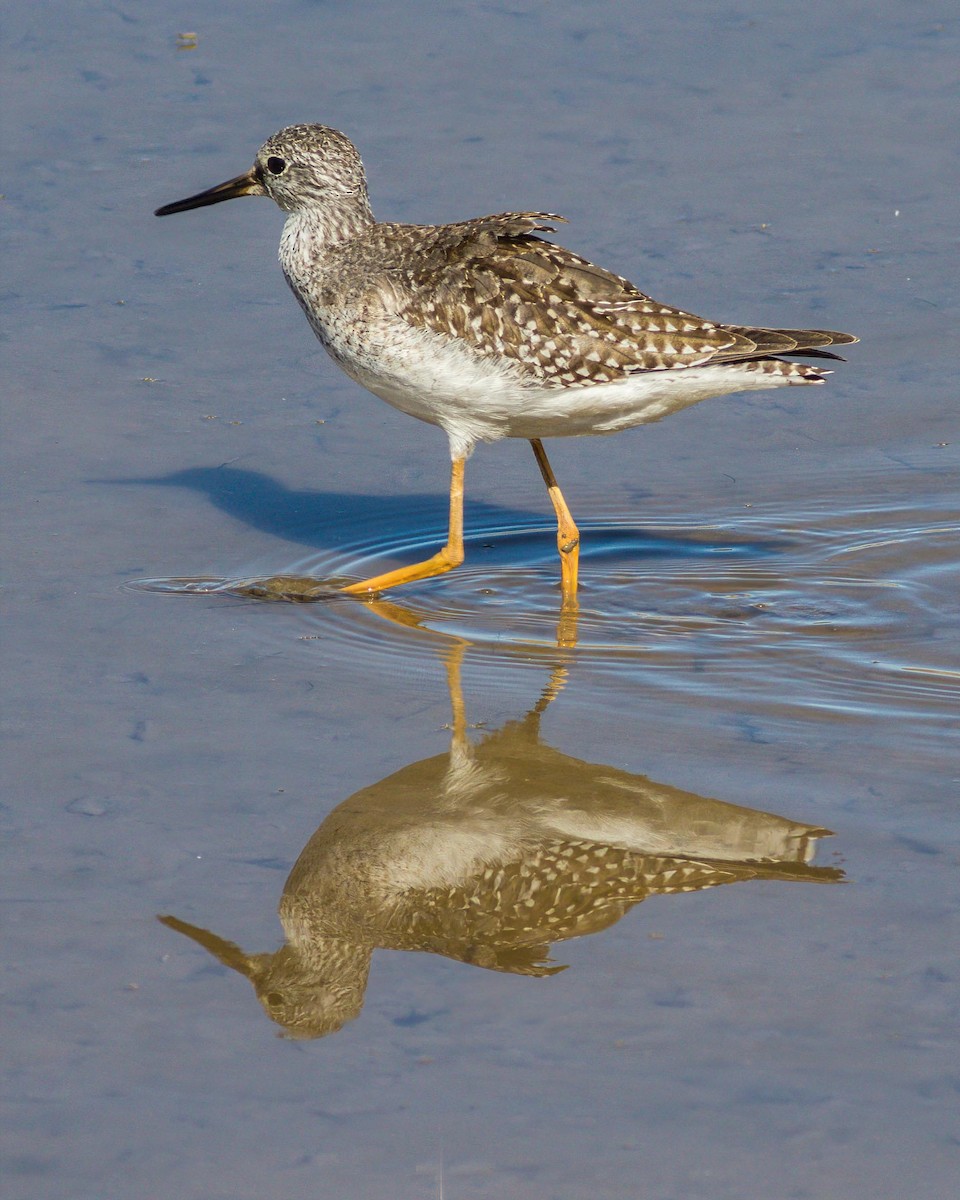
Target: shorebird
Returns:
[488, 330]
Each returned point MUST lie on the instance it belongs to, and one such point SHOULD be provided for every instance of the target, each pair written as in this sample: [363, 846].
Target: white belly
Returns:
[478, 399]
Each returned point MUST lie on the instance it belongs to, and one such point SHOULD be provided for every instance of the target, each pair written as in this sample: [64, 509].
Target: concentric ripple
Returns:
[848, 613]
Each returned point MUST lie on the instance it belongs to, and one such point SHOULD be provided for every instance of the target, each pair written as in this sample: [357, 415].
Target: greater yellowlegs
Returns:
[487, 330]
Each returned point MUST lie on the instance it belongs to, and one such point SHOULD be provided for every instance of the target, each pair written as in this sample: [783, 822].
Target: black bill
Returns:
[243, 185]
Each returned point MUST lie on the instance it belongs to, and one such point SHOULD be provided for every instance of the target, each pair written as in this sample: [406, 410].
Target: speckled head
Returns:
[302, 166]
[309, 164]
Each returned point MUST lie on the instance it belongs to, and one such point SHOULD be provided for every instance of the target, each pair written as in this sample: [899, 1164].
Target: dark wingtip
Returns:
[818, 354]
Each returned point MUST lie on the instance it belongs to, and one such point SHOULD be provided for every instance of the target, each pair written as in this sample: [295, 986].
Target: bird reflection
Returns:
[489, 854]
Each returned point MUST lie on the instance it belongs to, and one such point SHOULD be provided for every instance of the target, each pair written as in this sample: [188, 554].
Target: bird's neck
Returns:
[308, 232]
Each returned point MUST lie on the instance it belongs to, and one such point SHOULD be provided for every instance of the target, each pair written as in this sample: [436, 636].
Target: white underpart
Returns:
[474, 399]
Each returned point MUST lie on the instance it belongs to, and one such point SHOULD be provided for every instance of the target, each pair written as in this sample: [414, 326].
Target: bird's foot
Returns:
[443, 561]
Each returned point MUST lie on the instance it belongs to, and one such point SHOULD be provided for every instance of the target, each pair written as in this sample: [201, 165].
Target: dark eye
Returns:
[276, 166]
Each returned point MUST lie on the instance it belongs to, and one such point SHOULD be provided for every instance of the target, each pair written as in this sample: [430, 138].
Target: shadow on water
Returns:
[308, 517]
[488, 855]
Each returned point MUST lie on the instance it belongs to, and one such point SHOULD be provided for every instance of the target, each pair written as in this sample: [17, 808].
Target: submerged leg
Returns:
[568, 535]
[444, 560]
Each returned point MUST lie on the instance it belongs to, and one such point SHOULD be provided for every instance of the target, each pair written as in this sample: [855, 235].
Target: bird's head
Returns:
[301, 167]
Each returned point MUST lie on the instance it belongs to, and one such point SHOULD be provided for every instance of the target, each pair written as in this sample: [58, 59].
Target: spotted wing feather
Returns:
[506, 916]
[495, 285]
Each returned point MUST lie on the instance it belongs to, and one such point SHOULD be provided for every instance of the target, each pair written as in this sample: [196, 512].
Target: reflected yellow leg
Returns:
[458, 710]
[568, 535]
[444, 560]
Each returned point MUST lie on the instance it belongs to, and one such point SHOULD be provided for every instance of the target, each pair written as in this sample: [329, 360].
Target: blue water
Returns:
[768, 616]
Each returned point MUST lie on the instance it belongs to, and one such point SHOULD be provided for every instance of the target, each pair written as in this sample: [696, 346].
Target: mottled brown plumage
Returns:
[487, 330]
[507, 915]
[497, 287]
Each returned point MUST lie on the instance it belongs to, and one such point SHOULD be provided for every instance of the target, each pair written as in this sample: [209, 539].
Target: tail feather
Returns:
[769, 343]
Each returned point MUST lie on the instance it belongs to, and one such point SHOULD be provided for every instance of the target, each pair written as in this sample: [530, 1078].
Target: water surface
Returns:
[767, 629]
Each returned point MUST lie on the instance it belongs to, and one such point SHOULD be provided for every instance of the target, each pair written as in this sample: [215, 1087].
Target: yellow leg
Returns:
[568, 535]
[444, 560]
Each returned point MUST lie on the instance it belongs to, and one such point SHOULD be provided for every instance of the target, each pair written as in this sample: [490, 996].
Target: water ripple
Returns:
[843, 612]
